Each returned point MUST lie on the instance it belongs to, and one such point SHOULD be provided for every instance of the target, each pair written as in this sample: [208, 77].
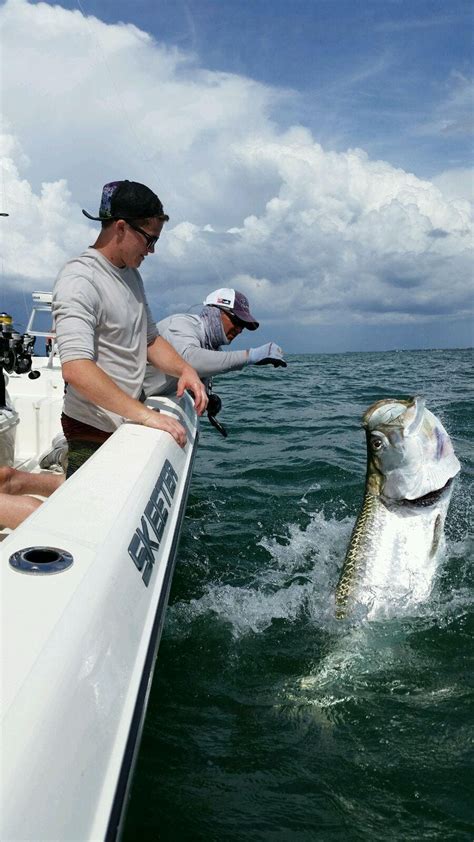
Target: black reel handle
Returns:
[213, 407]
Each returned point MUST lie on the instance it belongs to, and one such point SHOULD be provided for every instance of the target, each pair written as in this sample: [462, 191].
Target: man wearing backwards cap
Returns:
[225, 314]
[104, 329]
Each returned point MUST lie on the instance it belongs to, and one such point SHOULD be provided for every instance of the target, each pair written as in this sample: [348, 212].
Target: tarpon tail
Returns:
[355, 562]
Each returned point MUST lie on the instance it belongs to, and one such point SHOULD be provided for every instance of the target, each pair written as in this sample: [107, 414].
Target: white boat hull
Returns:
[78, 646]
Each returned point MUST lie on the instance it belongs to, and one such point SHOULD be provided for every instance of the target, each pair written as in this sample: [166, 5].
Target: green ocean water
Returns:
[268, 719]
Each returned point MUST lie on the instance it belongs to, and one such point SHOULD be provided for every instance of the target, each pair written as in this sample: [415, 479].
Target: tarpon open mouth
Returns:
[429, 499]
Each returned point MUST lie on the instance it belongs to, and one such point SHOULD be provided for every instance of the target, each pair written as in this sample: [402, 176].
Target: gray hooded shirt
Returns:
[186, 333]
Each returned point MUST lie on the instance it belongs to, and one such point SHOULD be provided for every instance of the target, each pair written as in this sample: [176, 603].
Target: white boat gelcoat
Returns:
[39, 404]
[78, 646]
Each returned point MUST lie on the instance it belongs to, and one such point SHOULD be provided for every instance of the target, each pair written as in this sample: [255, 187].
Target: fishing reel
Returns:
[213, 407]
[16, 350]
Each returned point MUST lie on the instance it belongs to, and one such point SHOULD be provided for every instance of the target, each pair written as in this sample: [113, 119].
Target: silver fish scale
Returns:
[361, 546]
[392, 555]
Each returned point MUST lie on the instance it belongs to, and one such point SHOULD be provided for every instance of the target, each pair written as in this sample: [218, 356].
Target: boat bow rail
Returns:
[79, 643]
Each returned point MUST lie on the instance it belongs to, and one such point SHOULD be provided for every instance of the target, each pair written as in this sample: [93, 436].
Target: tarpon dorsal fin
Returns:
[413, 417]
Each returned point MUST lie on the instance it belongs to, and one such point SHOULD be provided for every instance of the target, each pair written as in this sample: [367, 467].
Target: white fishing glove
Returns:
[268, 354]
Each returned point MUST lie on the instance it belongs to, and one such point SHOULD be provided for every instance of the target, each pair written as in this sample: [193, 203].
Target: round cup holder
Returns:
[41, 560]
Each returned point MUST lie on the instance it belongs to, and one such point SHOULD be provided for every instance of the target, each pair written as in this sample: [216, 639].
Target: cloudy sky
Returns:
[316, 154]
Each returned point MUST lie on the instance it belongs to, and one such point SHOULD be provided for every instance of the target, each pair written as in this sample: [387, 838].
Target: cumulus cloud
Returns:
[457, 183]
[43, 227]
[313, 236]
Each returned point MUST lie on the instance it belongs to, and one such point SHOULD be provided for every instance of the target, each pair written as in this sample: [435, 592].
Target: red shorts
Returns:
[78, 431]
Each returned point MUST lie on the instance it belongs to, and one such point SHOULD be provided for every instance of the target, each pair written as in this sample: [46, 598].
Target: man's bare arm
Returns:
[98, 388]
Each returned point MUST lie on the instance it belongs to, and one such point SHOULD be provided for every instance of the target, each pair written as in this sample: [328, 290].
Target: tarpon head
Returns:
[409, 452]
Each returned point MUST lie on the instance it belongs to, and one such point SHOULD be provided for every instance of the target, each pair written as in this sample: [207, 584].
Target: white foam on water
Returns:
[367, 663]
[362, 652]
[299, 579]
[245, 609]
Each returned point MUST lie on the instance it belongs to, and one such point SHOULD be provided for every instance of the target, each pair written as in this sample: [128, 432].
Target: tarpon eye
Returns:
[377, 444]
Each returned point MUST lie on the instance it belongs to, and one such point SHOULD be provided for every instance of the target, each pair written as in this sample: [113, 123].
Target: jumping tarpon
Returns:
[392, 553]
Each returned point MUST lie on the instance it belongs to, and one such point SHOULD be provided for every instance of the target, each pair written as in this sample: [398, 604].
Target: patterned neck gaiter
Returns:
[213, 328]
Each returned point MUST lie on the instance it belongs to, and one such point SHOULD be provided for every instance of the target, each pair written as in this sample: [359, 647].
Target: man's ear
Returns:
[120, 228]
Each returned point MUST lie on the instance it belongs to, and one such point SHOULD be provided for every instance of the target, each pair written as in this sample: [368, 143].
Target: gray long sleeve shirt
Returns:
[101, 314]
[185, 332]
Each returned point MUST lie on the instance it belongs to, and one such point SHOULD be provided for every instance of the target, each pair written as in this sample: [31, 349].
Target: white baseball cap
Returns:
[235, 302]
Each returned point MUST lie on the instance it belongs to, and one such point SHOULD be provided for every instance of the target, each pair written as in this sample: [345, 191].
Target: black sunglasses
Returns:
[151, 241]
[235, 319]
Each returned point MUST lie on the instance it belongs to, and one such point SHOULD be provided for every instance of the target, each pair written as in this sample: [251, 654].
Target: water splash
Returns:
[298, 581]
